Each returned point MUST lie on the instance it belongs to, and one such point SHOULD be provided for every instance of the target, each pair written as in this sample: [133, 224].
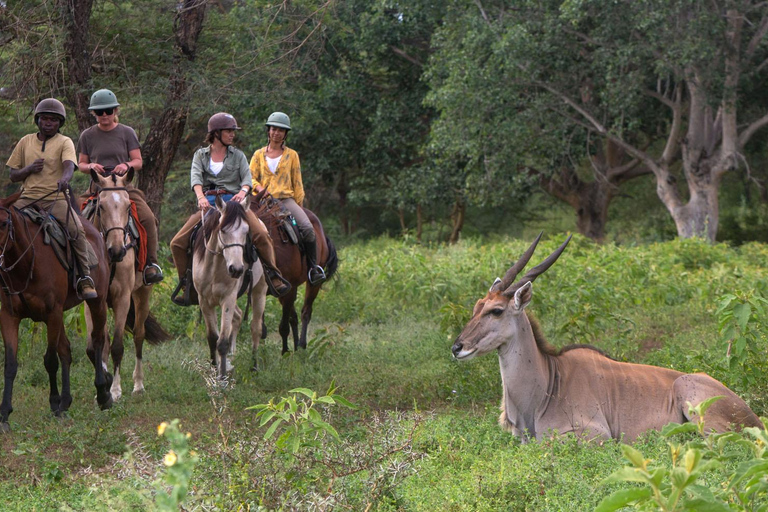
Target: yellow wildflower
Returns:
[161, 428]
[170, 458]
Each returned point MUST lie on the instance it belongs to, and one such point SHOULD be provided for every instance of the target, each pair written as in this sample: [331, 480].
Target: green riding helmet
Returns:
[51, 106]
[280, 120]
[222, 121]
[103, 98]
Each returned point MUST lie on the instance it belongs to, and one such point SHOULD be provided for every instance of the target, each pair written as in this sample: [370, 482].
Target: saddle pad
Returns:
[53, 233]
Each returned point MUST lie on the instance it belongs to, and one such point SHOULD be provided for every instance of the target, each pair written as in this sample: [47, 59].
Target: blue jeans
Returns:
[224, 197]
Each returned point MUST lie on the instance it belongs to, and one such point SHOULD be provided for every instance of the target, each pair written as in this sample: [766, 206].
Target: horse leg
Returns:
[95, 351]
[211, 329]
[226, 332]
[55, 330]
[258, 302]
[9, 325]
[236, 323]
[294, 320]
[141, 307]
[65, 357]
[306, 312]
[121, 301]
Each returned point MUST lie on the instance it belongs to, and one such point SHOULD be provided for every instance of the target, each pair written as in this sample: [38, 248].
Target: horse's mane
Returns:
[549, 349]
[232, 213]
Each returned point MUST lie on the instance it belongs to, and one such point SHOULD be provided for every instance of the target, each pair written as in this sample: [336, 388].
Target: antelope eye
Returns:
[496, 311]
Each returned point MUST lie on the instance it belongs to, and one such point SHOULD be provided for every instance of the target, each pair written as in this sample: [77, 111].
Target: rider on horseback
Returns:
[221, 169]
[277, 169]
[44, 162]
[112, 146]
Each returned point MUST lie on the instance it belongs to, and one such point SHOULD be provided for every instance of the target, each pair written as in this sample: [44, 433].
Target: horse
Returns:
[36, 285]
[293, 267]
[128, 294]
[219, 269]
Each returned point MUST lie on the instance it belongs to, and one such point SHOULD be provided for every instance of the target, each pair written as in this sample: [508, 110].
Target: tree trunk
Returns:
[401, 217]
[419, 222]
[159, 148]
[343, 191]
[77, 15]
[457, 220]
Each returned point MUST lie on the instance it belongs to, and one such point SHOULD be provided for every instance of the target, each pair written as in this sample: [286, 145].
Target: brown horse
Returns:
[36, 286]
[293, 266]
[128, 294]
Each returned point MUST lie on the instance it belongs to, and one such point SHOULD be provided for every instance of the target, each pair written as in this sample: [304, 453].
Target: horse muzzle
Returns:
[116, 255]
[234, 271]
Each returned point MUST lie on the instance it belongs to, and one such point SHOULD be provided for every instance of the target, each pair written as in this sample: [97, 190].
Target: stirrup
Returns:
[318, 273]
[156, 278]
[182, 288]
[85, 280]
[268, 276]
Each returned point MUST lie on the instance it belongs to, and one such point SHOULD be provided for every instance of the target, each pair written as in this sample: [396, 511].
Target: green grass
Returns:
[424, 436]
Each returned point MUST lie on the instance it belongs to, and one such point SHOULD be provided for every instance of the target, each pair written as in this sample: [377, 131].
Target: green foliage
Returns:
[299, 419]
[180, 461]
[679, 487]
[743, 326]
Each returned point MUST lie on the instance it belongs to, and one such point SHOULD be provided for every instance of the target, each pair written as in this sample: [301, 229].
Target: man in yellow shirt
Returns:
[44, 162]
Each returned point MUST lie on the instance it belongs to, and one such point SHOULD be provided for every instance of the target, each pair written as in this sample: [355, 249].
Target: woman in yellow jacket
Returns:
[277, 169]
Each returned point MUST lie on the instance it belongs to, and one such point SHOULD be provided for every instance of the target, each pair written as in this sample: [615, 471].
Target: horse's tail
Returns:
[332, 263]
[154, 333]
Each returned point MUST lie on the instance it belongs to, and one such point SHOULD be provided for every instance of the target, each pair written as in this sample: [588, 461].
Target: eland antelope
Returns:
[579, 389]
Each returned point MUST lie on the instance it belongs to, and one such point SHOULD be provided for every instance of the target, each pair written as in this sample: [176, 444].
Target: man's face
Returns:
[49, 124]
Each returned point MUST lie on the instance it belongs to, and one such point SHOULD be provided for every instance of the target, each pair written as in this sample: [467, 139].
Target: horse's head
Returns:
[232, 235]
[114, 208]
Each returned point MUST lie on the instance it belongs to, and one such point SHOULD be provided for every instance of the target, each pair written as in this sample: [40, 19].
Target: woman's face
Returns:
[227, 137]
[105, 116]
[276, 134]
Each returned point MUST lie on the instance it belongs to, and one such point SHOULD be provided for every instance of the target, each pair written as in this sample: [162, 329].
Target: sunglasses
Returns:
[102, 111]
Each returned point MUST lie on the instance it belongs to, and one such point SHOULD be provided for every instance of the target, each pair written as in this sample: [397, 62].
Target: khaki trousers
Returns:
[261, 240]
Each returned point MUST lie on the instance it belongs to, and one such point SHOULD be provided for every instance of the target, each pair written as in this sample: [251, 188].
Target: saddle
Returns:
[286, 223]
[135, 230]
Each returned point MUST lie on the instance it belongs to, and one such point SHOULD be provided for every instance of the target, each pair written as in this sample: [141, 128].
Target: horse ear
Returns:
[94, 176]
[220, 204]
[246, 202]
[129, 175]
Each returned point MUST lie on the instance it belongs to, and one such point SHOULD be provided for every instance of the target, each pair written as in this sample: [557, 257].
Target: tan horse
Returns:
[579, 389]
[218, 271]
[128, 294]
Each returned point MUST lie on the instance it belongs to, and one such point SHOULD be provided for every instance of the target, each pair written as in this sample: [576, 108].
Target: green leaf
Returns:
[742, 312]
[343, 401]
[268, 415]
[701, 505]
[626, 474]
[325, 400]
[671, 429]
[304, 391]
[272, 429]
[634, 456]
[622, 498]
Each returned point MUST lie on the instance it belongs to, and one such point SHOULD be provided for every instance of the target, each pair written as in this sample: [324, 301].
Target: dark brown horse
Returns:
[36, 286]
[293, 266]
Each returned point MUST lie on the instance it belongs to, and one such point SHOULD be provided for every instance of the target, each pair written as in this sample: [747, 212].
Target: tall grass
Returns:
[424, 433]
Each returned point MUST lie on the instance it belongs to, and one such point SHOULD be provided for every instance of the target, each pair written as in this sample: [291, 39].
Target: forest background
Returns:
[431, 118]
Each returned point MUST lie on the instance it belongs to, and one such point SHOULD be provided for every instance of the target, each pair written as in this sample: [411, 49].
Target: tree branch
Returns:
[751, 129]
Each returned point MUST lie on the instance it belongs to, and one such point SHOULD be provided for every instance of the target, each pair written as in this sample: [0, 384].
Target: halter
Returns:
[98, 210]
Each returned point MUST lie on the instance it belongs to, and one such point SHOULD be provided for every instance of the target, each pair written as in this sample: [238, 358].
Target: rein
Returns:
[7, 284]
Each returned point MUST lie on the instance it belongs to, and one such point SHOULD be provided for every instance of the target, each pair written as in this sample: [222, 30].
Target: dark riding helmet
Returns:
[222, 121]
[51, 106]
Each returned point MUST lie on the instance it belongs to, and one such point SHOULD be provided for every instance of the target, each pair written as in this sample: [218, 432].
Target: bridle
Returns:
[221, 243]
[124, 229]
[7, 285]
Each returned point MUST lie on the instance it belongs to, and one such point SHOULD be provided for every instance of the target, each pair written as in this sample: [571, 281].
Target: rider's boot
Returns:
[153, 274]
[277, 285]
[86, 289]
[316, 273]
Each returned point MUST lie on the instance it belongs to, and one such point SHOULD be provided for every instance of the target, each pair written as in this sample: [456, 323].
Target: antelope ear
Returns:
[523, 296]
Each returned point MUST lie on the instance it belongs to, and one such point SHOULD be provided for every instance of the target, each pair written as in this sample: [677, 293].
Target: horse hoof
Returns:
[5, 428]
[107, 404]
[138, 391]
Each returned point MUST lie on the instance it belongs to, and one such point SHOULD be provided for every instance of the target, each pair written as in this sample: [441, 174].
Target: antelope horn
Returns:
[539, 269]
[519, 265]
